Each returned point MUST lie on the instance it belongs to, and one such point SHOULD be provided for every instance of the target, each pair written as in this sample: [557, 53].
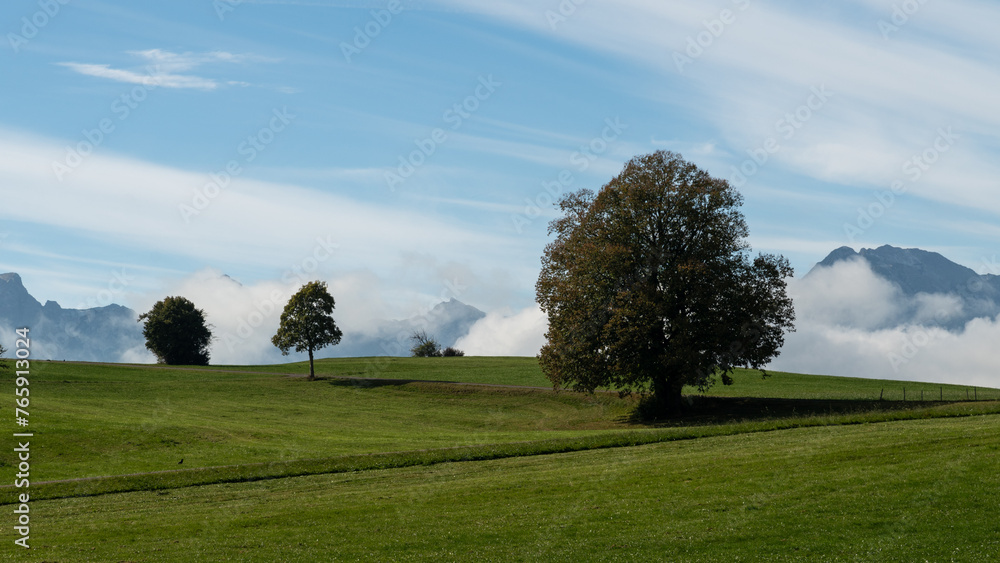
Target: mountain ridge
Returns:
[100, 334]
[112, 333]
[918, 272]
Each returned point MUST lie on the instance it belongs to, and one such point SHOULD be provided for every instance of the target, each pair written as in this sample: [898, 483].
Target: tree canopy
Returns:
[307, 322]
[649, 285]
[176, 332]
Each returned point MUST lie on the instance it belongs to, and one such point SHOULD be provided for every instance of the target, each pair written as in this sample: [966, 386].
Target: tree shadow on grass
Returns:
[365, 382]
[701, 410]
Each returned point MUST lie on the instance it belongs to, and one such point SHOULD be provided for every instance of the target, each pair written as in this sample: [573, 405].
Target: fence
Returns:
[938, 393]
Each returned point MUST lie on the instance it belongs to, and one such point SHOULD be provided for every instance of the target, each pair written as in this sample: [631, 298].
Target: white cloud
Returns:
[242, 318]
[288, 223]
[137, 355]
[399, 257]
[153, 78]
[847, 294]
[162, 68]
[503, 333]
[852, 323]
[889, 96]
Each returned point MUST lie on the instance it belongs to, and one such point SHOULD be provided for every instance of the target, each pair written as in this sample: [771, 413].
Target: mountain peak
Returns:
[839, 255]
[453, 305]
[96, 334]
[914, 270]
[453, 310]
[12, 292]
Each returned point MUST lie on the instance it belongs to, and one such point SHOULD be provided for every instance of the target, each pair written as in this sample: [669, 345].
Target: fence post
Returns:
[880, 393]
[942, 393]
[904, 394]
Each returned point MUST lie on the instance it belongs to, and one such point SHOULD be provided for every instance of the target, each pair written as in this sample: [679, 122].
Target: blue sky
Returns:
[859, 123]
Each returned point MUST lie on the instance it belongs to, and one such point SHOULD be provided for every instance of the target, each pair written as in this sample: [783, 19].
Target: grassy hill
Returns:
[296, 470]
[526, 372]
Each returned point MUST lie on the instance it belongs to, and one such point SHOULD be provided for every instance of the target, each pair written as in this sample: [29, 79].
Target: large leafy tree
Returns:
[307, 322]
[176, 332]
[649, 286]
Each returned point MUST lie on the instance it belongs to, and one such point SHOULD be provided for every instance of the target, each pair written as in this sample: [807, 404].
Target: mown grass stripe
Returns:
[393, 460]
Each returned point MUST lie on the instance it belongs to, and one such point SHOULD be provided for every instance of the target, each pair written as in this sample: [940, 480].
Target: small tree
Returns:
[450, 352]
[176, 332]
[3, 361]
[307, 322]
[424, 346]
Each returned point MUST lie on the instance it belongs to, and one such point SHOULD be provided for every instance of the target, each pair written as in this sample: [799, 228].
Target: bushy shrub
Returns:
[424, 346]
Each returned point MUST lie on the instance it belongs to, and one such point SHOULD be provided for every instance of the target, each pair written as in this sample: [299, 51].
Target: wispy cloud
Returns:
[162, 68]
[892, 96]
[152, 78]
[150, 220]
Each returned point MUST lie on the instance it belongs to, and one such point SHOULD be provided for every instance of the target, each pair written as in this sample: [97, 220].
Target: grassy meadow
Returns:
[378, 460]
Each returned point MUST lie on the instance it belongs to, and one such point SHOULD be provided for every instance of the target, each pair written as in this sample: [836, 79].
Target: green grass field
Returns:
[797, 467]
[99, 420]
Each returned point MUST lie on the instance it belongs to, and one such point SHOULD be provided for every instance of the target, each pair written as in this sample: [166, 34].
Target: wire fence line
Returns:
[938, 393]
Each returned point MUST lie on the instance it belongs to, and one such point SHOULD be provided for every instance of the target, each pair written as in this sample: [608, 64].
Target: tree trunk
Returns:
[312, 373]
[667, 398]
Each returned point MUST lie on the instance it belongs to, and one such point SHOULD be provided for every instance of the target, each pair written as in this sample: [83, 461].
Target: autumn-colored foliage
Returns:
[649, 285]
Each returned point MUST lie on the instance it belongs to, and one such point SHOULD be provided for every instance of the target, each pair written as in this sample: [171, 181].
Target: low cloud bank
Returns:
[850, 322]
[243, 318]
[505, 333]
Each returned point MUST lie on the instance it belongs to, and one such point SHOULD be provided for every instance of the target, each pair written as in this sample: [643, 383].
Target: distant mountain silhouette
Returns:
[921, 273]
[100, 334]
[918, 271]
[446, 322]
[113, 333]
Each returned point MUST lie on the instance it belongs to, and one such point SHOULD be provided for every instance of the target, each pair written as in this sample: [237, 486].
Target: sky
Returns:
[409, 152]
